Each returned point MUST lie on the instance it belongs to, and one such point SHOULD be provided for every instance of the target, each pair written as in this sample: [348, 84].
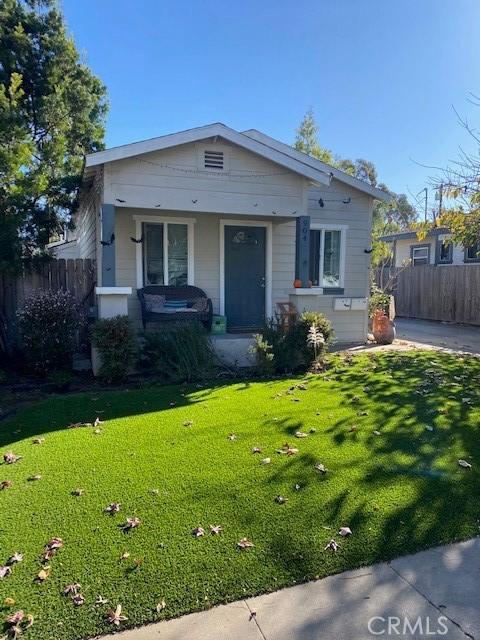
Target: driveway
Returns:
[426, 333]
[432, 594]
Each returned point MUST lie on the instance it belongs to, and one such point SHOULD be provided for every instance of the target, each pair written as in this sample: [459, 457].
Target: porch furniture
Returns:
[286, 312]
[170, 303]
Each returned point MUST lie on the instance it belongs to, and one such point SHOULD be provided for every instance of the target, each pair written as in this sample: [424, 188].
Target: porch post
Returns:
[302, 250]
[108, 245]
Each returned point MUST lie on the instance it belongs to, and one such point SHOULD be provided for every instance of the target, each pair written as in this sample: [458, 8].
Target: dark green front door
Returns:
[244, 277]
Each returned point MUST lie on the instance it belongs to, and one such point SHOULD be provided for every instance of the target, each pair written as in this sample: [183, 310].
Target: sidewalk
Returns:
[437, 590]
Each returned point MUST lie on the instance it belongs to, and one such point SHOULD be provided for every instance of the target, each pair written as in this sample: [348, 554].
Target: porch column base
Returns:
[113, 301]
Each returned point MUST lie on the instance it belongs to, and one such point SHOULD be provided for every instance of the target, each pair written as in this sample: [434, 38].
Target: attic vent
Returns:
[213, 160]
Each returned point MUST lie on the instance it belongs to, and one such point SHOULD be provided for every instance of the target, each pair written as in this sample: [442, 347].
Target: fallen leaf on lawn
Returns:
[188, 423]
[77, 425]
[377, 433]
[161, 606]
[320, 467]
[11, 458]
[198, 532]
[281, 500]
[16, 557]
[116, 617]
[113, 507]
[15, 618]
[6, 484]
[52, 547]
[362, 413]
[37, 476]
[256, 450]
[353, 428]
[301, 434]
[97, 422]
[78, 599]
[232, 436]
[245, 543]
[72, 589]
[464, 464]
[137, 562]
[9, 602]
[345, 531]
[154, 492]
[5, 571]
[265, 461]
[97, 432]
[295, 399]
[429, 428]
[44, 573]
[125, 555]
[38, 440]
[215, 529]
[77, 492]
[131, 523]
[332, 546]
[312, 429]
[297, 487]
[101, 600]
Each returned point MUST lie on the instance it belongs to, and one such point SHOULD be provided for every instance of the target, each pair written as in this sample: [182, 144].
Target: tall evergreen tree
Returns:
[306, 139]
[52, 112]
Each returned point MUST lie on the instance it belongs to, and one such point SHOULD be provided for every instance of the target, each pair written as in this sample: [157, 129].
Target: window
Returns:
[444, 252]
[472, 253]
[420, 254]
[165, 253]
[327, 248]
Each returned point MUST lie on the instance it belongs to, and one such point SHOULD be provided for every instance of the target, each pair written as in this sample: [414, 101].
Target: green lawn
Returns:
[175, 468]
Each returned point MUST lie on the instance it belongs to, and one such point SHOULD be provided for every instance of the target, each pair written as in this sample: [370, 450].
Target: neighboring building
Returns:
[239, 215]
[65, 248]
[433, 250]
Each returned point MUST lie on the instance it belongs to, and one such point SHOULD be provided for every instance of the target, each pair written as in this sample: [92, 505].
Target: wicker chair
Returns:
[195, 297]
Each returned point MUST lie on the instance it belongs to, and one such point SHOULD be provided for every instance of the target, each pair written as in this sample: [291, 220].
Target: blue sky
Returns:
[381, 76]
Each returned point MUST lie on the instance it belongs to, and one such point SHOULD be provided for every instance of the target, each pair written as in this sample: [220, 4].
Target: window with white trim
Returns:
[165, 253]
[420, 255]
[472, 253]
[327, 257]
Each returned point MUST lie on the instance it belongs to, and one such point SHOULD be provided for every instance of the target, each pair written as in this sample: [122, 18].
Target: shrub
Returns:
[292, 349]
[264, 355]
[115, 341]
[180, 352]
[378, 300]
[47, 327]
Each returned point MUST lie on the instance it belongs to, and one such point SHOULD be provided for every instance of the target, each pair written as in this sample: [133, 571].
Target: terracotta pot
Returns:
[383, 328]
[297, 283]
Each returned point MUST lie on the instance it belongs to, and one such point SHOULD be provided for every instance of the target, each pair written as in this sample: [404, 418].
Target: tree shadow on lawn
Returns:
[411, 493]
[85, 407]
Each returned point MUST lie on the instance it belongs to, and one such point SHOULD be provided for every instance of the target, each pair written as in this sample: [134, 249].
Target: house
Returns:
[65, 248]
[240, 215]
[434, 249]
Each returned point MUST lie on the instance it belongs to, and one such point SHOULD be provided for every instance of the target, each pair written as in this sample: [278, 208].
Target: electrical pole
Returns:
[426, 201]
[440, 199]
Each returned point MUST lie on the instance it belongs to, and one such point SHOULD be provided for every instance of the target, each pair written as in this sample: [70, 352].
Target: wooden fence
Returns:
[75, 276]
[446, 293]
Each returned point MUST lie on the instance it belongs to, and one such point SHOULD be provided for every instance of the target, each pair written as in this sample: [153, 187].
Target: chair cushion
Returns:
[154, 302]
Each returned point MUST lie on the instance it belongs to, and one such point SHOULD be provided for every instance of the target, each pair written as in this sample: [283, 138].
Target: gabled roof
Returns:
[346, 178]
[252, 140]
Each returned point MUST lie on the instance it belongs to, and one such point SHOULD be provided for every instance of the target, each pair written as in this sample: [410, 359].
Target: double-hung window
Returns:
[327, 257]
[165, 253]
[420, 254]
[472, 253]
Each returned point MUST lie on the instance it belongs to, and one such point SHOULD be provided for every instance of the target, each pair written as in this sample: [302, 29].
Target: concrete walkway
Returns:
[458, 337]
[432, 594]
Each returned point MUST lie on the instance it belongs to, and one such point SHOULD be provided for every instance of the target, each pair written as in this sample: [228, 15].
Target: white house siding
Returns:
[87, 220]
[170, 180]
[65, 250]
